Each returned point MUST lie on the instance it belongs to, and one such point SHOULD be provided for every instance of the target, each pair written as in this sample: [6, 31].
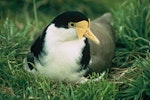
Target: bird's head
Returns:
[74, 25]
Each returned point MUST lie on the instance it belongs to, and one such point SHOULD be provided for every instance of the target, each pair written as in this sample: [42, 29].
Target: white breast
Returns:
[63, 55]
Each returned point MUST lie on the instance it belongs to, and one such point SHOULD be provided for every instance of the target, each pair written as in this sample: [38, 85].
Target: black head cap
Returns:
[69, 16]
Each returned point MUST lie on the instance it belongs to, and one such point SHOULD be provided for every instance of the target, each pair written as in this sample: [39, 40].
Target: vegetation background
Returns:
[129, 79]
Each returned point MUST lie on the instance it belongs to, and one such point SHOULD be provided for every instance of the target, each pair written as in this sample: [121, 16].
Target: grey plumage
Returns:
[102, 54]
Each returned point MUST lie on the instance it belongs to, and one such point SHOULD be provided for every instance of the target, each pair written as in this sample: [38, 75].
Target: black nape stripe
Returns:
[36, 49]
[85, 55]
[37, 46]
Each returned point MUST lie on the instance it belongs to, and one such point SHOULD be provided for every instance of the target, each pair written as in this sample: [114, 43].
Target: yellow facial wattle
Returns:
[82, 28]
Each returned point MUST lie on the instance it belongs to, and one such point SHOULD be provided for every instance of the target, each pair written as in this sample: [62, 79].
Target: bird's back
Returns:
[103, 53]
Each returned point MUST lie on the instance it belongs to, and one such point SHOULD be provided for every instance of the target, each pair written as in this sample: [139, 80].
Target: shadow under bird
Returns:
[71, 47]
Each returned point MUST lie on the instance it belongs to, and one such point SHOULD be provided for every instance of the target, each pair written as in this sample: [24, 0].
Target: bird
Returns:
[71, 47]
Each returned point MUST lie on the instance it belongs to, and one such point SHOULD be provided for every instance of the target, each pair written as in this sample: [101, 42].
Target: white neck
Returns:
[63, 52]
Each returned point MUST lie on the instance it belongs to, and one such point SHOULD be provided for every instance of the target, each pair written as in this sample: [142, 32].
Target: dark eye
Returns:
[71, 24]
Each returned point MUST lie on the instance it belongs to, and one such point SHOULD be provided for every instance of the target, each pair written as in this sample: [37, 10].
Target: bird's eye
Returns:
[71, 24]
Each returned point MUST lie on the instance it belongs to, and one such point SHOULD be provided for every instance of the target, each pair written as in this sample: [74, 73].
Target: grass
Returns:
[132, 31]
[133, 46]
[137, 81]
[129, 81]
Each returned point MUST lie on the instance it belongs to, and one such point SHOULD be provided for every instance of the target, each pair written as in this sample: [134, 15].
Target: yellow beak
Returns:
[82, 28]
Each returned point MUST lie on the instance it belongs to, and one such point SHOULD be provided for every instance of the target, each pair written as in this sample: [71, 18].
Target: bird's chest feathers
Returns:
[62, 47]
[63, 56]
[64, 53]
